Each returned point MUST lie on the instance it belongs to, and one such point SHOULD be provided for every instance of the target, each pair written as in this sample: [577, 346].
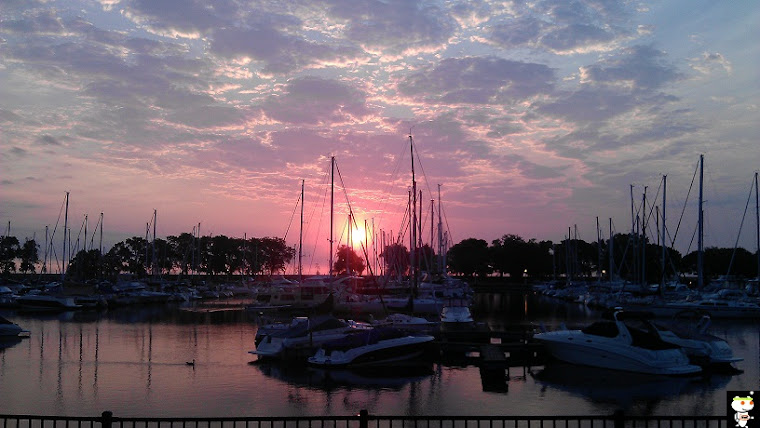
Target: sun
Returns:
[358, 236]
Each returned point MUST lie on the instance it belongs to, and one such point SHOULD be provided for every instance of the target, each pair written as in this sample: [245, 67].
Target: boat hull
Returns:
[381, 353]
[576, 347]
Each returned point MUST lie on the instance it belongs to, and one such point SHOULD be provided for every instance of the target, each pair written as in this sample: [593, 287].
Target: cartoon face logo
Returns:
[742, 406]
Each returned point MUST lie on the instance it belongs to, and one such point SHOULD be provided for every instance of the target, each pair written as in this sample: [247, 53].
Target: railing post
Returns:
[363, 418]
[106, 418]
[618, 419]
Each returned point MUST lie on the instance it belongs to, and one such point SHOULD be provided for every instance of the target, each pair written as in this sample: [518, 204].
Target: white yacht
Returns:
[378, 346]
[304, 337]
[620, 345]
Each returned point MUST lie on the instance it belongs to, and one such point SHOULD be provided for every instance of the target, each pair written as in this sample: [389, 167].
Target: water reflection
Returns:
[621, 388]
[369, 378]
[7, 342]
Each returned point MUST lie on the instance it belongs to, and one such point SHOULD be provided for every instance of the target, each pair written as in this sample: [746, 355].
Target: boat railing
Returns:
[365, 420]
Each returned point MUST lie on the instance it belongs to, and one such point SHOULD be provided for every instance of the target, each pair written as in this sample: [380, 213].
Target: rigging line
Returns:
[386, 198]
[292, 215]
[651, 209]
[325, 183]
[741, 225]
[683, 210]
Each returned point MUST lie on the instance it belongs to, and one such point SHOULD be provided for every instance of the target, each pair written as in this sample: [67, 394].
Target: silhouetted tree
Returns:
[348, 261]
[9, 248]
[29, 255]
[469, 257]
[396, 260]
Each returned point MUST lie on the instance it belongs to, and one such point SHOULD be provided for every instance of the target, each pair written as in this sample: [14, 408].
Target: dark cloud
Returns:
[280, 52]
[576, 36]
[516, 32]
[182, 16]
[38, 22]
[478, 80]
[313, 100]
[394, 26]
[563, 26]
[9, 116]
[47, 140]
[18, 151]
[617, 85]
[643, 67]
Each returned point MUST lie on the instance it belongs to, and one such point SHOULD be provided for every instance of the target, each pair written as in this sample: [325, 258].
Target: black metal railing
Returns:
[365, 420]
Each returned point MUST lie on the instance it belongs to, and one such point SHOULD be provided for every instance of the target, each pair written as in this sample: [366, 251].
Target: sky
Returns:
[533, 118]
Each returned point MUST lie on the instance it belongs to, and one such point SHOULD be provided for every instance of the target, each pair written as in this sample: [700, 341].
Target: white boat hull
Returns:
[576, 347]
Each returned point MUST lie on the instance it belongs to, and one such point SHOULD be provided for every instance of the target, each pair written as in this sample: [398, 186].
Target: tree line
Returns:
[629, 257]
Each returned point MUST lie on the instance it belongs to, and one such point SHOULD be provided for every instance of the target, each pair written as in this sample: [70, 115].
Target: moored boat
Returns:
[9, 329]
[46, 302]
[378, 346]
[304, 337]
[616, 343]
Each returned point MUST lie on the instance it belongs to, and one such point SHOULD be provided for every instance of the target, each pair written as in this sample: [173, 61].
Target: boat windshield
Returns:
[602, 328]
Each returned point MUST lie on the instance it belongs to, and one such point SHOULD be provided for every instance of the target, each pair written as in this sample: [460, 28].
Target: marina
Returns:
[133, 361]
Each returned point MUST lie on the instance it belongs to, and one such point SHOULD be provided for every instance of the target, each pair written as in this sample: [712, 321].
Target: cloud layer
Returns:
[532, 116]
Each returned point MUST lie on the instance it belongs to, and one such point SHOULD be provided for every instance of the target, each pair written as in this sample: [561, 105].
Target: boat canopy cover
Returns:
[313, 324]
[363, 337]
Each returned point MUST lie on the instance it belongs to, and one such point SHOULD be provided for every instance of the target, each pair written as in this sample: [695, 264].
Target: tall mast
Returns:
[441, 255]
[700, 229]
[757, 222]
[414, 216]
[332, 200]
[154, 259]
[598, 252]
[644, 238]
[100, 246]
[664, 192]
[612, 254]
[300, 239]
[84, 246]
[65, 230]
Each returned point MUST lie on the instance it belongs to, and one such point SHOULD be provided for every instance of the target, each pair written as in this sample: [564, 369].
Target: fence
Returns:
[365, 420]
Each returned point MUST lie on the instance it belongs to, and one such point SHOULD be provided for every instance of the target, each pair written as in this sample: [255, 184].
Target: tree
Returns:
[348, 261]
[9, 249]
[510, 255]
[469, 257]
[85, 265]
[396, 260]
[29, 256]
[276, 254]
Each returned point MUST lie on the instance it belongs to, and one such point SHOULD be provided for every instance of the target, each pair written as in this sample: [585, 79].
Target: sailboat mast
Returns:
[332, 201]
[414, 215]
[65, 230]
[700, 231]
[300, 239]
[644, 239]
[100, 245]
[664, 192]
[757, 222]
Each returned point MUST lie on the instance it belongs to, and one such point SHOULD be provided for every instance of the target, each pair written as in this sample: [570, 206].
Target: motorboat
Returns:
[46, 302]
[378, 346]
[406, 323]
[456, 316]
[9, 329]
[304, 337]
[702, 348]
[618, 343]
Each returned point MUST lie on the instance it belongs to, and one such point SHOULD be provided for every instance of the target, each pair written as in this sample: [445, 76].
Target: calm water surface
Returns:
[133, 362]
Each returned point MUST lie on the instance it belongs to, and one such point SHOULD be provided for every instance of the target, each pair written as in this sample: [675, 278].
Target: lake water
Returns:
[133, 362]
